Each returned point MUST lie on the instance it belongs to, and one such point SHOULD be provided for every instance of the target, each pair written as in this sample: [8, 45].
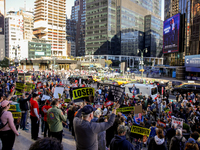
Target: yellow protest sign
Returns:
[67, 100]
[16, 115]
[29, 87]
[82, 92]
[12, 108]
[18, 93]
[125, 109]
[20, 85]
[140, 130]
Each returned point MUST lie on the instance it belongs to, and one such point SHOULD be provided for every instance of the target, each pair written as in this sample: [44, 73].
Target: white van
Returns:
[146, 89]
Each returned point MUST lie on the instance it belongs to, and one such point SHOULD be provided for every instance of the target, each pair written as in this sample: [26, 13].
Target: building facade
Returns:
[50, 24]
[38, 50]
[15, 46]
[2, 28]
[78, 14]
[117, 27]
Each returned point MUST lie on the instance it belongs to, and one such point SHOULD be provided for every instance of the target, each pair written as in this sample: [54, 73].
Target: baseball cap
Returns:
[35, 95]
[87, 109]
[48, 102]
[5, 103]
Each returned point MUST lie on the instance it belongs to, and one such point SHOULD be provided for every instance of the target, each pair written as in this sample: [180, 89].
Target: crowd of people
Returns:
[95, 123]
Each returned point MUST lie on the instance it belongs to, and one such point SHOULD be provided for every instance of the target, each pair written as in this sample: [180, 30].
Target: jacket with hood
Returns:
[119, 143]
[157, 144]
[174, 144]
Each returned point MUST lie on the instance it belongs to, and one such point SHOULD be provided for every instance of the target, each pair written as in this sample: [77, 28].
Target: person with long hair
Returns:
[158, 142]
[8, 132]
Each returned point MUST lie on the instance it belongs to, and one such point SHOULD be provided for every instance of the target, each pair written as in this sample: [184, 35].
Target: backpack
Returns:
[2, 125]
[180, 144]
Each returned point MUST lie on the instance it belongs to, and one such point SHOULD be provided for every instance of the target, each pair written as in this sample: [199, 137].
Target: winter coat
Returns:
[174, 144]
[120, 143]
[157, 144]
[102, 140]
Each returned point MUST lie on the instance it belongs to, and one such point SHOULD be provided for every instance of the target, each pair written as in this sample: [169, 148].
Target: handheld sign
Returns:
[44, 97]
[125, 109]
[140, 130]
[58, 90]
[116, 93]
[178, 122]
[79, 94]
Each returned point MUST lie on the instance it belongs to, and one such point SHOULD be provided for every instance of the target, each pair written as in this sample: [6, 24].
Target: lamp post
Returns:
[142, 61]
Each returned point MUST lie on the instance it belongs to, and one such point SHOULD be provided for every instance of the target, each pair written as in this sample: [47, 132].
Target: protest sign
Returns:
[29, 87]
[178, 122]
[108, 103]
[20, 86]
[138, 109]
[140, 130]
[45, 97]
[58, 91]
[116, 93]
[16, 115]
[125, 109]
[82, 93]
[18, 93]
[39, 84]
[67, 100]
[162, 124]
[12, 108]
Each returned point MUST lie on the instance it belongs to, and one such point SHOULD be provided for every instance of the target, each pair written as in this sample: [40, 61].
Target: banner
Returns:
[178, 122]
[58, 92]
[125, 109]
[16, 115]
[20, 86]
[29, 87]
[140, 130]
[12, 108]
[82, 93]
[116, 93]
[18, 93]
[67, 100]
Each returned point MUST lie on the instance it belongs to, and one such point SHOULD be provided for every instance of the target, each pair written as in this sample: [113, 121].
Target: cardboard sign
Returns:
[125, 109]
[16, 115]
[58, 91]
[178, 122]
[116, 93]
[140, 130]
[138, 109]
[12, 108]
[162, 124]
[45, 97]
[82, 93]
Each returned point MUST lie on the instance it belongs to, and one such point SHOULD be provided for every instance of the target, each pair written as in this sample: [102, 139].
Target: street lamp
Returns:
[142, 61]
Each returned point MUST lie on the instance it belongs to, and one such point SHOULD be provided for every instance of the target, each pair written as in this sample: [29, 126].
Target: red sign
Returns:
[108, 103]
[161, 124]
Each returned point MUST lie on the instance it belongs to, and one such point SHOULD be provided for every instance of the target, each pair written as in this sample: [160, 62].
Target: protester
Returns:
[119, 142]
[34, 115]
[158, 142]
[8, 132]
[86, 131]
[55, 117]
[178, 141]
[46, 144]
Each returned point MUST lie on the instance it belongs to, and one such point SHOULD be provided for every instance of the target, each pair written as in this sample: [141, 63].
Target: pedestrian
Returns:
[171, 132]
[86, 132]
[34, 115]
[8, 132]
[191, 144]
[119, 142]
[55, 117]
[158, 142]
[45, 108]
[178, 141]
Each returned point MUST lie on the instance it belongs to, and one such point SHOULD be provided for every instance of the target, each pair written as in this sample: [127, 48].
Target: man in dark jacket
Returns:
[178, 141]
[171, 132]
[23, 103]
[119, 142]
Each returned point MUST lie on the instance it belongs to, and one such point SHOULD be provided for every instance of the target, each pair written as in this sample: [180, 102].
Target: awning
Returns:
[192, 69]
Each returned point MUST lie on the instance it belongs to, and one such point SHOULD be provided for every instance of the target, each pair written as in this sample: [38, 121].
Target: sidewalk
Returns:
[164, 79]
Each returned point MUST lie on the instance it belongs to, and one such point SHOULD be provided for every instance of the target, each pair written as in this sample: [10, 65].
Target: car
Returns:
[185, 88]
[123, 81]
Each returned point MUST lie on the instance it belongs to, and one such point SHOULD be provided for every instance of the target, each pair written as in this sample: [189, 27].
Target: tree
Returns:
[108, 62]
[5, 62]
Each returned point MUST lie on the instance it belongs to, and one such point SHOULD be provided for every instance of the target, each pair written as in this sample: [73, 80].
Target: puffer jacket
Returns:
[157, 144]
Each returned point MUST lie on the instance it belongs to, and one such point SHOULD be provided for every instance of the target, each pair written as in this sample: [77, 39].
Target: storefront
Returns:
[192, 67]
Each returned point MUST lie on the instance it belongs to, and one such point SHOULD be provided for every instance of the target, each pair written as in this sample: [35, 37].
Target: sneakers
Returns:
[25, 129]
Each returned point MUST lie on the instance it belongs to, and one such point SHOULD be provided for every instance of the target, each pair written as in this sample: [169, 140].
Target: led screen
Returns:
[171, 34]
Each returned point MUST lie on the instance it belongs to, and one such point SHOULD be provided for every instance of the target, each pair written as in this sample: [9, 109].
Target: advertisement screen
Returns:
[171, 34]
[1, 17]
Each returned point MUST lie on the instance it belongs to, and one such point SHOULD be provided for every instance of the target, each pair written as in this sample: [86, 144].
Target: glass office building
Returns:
[117, 27]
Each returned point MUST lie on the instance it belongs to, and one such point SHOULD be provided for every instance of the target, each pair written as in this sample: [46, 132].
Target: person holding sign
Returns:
[8, 132]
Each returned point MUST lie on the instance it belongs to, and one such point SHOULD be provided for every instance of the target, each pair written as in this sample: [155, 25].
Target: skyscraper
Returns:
[2, 28]
[50, 24]
[117, 27]
[78, 14]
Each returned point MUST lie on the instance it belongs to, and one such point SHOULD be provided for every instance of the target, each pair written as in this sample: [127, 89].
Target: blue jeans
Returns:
[23, 120]
[67, 95]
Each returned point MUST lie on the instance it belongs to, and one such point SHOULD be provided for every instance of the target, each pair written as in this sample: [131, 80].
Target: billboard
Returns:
[171, 37]
[192, 61]
[1, 17]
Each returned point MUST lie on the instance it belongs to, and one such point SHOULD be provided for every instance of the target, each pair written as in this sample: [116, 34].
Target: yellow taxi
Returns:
[97, 79]
[124, 81]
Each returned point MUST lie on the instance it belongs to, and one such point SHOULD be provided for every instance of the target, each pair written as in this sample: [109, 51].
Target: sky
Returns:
[15, 4]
